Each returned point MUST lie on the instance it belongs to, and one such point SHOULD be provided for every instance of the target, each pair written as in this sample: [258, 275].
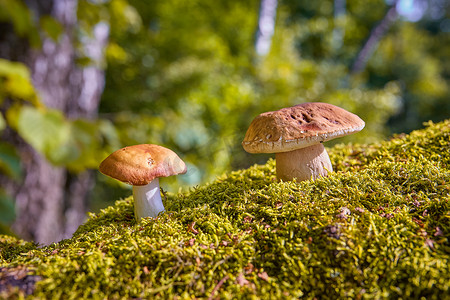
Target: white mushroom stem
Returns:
[147, 200]
[303, 164]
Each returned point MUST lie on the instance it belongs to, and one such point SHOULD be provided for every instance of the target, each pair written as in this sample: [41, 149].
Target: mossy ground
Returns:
[378, 227]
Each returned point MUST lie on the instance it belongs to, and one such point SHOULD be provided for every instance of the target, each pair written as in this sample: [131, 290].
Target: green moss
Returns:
[376, 228]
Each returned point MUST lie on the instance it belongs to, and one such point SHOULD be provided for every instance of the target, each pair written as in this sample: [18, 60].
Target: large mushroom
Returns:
[141, 166]
[296, 135]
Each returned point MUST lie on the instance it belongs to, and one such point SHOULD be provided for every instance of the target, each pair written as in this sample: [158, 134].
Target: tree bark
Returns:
[338, 30]
[51, 202]
[266, 26]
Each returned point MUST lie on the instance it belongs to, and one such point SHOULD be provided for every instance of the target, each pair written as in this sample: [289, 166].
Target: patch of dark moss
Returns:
[11, 247]
[378, 227]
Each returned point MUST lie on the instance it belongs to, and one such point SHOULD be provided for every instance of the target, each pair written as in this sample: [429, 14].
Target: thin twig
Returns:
[374, 38]
[219, 284]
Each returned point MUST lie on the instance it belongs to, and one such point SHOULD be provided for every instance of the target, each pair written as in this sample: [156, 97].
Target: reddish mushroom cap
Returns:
[140, 164]
[298, 127]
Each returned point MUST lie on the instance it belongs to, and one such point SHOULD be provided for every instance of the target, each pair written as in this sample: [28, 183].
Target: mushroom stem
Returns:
[303, 164]
[147, 200]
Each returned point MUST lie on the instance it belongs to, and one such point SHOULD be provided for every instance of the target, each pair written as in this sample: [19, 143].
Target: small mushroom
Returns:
[296, 135]
[141, 166]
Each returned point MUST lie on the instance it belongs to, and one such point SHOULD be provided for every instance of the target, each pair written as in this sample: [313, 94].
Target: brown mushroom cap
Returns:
[298, 127]
[140, 164]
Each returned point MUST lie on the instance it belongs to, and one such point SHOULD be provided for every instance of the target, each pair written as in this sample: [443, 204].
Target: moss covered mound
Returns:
[376, 228]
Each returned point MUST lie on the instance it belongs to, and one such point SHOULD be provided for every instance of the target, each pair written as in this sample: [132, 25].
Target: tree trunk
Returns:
[51, 202]
[338, 30]
[266, 26]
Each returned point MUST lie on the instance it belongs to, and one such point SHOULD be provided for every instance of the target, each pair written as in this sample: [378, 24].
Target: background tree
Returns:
[50, 200]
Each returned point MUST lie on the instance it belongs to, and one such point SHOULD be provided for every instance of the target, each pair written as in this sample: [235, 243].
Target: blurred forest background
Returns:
[80, 79]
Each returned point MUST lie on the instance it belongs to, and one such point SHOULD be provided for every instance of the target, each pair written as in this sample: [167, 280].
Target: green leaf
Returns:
[17, 82]
[82, 142]
[9, 68]
[89, 140]
[52, 27]
[76, 144]
[84, 61]
[17, 13]
[10, 161]
[7, 210]
[47, 131]
[2, 121]
[109, 133]
[12, 115]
